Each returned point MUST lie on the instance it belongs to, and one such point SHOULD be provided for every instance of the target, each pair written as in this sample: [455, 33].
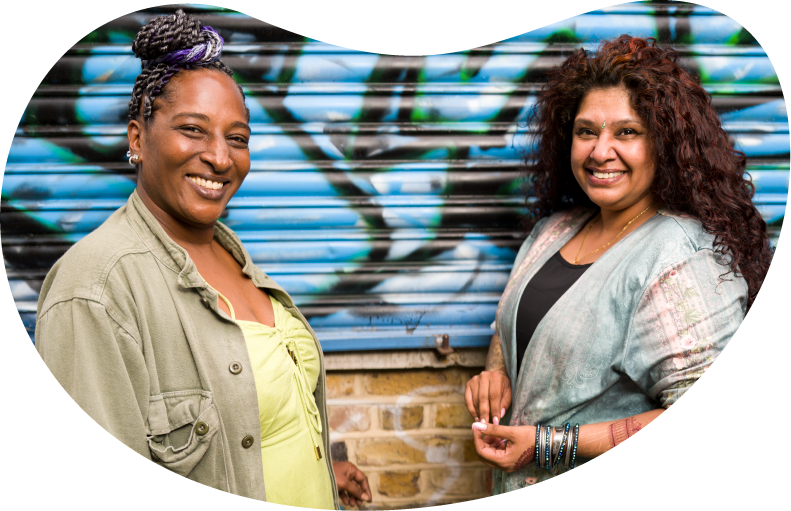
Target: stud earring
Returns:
[132, 158]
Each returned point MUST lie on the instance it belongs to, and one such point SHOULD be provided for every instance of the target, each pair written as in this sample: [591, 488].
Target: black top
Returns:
[544, 289]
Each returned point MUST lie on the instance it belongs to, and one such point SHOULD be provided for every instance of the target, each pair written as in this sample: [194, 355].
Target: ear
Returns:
[134, 132]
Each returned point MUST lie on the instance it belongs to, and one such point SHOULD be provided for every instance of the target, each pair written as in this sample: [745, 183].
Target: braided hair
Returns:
[167, 45]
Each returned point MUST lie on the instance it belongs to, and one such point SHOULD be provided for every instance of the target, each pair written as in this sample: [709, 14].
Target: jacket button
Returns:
[247, 442]
[205, 302]
[201, 428]
[235, 368]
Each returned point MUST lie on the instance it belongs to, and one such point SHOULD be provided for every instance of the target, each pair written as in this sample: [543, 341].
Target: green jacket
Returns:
[133, 333]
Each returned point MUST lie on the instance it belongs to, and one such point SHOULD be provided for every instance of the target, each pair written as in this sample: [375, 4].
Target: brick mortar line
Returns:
[389, 433]
[439, 501]
[452, 399]
[421, 466]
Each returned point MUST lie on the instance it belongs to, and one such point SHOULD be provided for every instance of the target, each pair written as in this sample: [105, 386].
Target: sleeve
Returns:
[100, 365]
[683, 321]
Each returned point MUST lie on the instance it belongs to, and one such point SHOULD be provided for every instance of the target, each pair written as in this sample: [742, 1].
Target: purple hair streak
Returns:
[199, 55]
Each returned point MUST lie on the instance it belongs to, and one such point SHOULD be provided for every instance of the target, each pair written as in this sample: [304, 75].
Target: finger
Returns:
[353, 488]
[358, 484]
[505, 403]
[495, 397]
[468, 400]
[344, 497]
[507, 432]
[362, 480]
[483, 398]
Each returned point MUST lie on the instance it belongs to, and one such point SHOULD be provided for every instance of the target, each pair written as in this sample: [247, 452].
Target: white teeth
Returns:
[205, 183]
[606, 175]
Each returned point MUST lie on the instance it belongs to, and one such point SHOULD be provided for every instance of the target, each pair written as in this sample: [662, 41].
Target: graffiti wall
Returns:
[385, 191]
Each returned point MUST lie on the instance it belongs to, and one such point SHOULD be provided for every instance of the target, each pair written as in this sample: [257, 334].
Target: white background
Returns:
[722, 445]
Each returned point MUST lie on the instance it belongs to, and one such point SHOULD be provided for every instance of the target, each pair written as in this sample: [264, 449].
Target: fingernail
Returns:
[496, 420]
[479, 425]
[500, 442]
[502, 413]
[483, 419]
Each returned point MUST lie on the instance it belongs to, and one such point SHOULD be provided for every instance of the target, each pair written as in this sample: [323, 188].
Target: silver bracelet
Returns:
[541, 447]
[569, 442]
[557, 440]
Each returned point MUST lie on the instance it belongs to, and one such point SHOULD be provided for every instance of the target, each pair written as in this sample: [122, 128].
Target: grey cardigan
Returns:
[132, 332]
[637, 329]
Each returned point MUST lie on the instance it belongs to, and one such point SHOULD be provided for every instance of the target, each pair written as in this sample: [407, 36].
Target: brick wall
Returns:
[409, 431]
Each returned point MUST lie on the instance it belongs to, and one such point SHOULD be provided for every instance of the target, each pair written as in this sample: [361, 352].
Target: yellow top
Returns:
[286, 364]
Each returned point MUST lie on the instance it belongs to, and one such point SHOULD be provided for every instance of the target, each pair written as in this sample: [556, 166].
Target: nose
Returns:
[217, 154]
[603, 150]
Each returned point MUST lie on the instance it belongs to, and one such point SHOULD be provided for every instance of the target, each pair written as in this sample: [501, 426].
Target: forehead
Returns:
[204, 91]
[610, 103]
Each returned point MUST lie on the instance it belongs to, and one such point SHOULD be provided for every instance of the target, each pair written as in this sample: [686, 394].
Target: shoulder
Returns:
[673, 243]
[683, 227]
[84, 270]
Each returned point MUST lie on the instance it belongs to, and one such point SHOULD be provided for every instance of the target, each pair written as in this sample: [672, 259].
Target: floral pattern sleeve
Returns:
[682, 322]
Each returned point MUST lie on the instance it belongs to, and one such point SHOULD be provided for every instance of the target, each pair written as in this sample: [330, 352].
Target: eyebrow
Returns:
[203, 117]
[620, 122]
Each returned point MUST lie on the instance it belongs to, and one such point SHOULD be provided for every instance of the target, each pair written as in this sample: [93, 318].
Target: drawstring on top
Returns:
[311, 411]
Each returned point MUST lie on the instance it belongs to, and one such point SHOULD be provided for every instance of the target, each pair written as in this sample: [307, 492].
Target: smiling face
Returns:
[614, 165]
[193, 151]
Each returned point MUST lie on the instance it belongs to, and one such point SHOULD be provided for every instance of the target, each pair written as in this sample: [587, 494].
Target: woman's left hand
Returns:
[352, 483]
[515, 452]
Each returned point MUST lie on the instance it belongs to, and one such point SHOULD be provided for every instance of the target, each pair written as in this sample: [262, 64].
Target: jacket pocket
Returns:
[181, 427]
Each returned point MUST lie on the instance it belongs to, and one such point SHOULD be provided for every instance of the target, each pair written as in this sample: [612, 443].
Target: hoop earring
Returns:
[132, 158]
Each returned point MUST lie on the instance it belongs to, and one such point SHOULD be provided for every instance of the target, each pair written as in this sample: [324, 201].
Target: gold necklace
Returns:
[577, 258]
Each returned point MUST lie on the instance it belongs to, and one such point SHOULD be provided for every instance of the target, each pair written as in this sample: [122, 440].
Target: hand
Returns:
[516, 452]
[352, 483]
[488, 393]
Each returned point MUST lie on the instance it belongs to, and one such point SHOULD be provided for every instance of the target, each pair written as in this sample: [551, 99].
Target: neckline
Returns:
[571, 265]
[247, 321]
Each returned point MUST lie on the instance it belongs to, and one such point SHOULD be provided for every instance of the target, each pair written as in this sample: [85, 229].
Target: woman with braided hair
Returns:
[645, 254]
[159, 324]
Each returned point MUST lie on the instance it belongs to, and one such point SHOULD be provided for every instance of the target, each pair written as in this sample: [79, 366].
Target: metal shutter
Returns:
[384, 193]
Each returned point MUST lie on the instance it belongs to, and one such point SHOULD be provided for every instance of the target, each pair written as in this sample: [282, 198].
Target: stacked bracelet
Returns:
[554, 444]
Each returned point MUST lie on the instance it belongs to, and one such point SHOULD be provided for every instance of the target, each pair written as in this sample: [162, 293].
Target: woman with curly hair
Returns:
[159, 324]
[645, 254]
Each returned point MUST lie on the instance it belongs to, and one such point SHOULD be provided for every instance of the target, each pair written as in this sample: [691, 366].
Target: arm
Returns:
[683, 321]
[520, 449]
[100, 365]
[489, 393]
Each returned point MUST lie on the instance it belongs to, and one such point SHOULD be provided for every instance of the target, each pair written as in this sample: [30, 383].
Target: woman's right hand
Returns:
[488, 394]
[516, 449]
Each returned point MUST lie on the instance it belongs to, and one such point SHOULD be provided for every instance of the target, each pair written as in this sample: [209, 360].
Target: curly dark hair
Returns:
[699, 173]
[160, 38]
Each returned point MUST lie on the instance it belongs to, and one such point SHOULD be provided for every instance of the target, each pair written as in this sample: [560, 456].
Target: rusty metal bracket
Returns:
[443, 344]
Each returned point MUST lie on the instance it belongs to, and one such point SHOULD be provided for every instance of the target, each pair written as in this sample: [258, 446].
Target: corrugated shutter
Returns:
[384, 192]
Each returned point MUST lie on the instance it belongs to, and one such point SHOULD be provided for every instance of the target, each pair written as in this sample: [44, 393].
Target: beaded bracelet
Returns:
[538, 441]
[566, 429]
[574, 449]
[547, 447]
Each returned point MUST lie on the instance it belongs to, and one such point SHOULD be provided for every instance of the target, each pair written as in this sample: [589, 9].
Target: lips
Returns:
[208, 189]
[206, 183]
[604, 177]
[607, 174]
